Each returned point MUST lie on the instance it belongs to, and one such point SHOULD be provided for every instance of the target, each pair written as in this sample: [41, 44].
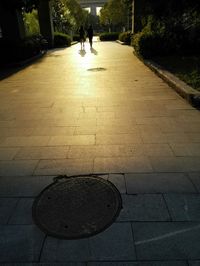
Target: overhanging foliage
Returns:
[26, 5]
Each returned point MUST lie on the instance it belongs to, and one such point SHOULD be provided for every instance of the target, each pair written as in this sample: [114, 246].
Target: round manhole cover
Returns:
[96, 69]
[77, 207]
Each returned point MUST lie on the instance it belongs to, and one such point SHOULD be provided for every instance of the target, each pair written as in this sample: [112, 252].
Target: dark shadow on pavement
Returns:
[82, 53]
[93, 51]
[52, 50]
[11, 69]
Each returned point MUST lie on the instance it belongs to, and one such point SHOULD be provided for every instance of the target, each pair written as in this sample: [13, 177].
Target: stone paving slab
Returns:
[38, 153]
[122, 165]
[143, 208]
[8, 154]
[175, 164]
[183, 207]
[194, 136]
[25, 141]
[118, 139]
[163, 263]
[22, 215]
[148, 263]
[167, 240]
[113, 263]
[158, 183]
[46, 264]
[17, 168]
[93, 151]
[116, 243]
[127, 123]
[27, 186]
[57, 250]
[72, 140]
[186, 149]
[165, 137]
[53, 131]
[194, 263]
[20, 243]
[156, 149]
[195, 177]
[64, 167]
[14, 132]
[85, 130]
[119, 182]
[7, 206]
[125, 263]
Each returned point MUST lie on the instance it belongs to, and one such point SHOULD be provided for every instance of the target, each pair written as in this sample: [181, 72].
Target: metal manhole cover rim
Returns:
[96, 69]
[86, 235]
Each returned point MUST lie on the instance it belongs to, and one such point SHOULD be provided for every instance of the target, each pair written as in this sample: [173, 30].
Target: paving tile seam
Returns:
[197, 223]
[18, 197]
[36, 165]
[42, 248]
[170, 260]
[70, 158]
[91, 262]
[11, 214]
[128, 194]
[162, 193]
[133, 237]
[193, 183]
[97, 146]
[107, 173]
[123, 194]
[117, 222]
[167, 207]
[122, 222]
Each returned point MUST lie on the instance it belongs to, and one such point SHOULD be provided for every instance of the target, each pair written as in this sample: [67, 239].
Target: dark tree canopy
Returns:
[26, 5]
[182, 12]
[163, 8]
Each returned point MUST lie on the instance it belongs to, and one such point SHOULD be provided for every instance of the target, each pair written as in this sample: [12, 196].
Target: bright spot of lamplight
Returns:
[88, 9]
[98, 9]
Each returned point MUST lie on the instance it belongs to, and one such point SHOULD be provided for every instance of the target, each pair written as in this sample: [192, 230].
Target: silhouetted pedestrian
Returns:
[82, 37]
[90, 35]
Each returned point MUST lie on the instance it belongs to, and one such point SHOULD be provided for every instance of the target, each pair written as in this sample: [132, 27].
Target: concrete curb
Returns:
[122, 43]
[73, 43]
[186, 91]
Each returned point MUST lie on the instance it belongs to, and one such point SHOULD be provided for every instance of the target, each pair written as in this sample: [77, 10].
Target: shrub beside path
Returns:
[100, 111]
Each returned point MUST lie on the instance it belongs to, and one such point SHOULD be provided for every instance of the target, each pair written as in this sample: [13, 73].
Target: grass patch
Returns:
[187, 68]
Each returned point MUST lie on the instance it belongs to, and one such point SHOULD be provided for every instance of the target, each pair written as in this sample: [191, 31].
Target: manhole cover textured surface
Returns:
[77, 207]
[96, 69]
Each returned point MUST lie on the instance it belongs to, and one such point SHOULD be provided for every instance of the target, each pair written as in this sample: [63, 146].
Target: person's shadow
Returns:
[82, 52]
[93, 51]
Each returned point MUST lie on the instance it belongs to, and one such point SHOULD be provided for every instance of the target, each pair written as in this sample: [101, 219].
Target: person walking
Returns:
[90, 35]
[82, 37]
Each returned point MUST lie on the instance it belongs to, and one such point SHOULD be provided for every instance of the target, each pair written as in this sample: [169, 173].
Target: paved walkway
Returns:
[101, 112]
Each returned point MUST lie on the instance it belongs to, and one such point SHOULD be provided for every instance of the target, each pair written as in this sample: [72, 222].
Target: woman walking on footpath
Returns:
[82, 37]
[90, 35]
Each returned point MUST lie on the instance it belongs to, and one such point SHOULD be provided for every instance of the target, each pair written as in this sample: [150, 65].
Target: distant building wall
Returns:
[92, 4]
